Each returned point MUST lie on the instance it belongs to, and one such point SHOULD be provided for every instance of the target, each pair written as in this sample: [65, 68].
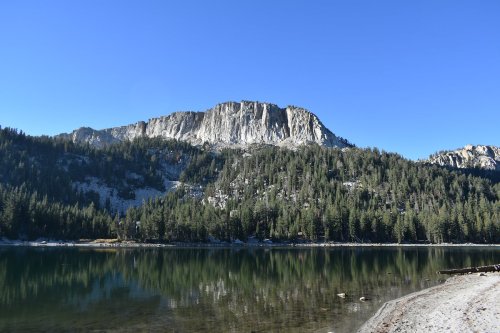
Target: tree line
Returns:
[308, 194]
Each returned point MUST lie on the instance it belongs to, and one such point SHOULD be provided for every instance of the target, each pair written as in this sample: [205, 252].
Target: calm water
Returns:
[212, 290]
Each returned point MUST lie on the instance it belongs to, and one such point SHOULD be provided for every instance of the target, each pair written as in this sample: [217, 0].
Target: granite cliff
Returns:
[481, 157]
[227, 124]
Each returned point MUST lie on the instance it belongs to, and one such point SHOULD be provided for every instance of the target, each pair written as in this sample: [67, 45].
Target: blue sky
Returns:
[411, 77]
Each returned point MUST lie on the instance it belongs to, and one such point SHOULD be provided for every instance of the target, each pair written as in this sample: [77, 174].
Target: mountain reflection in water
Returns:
[224, 290]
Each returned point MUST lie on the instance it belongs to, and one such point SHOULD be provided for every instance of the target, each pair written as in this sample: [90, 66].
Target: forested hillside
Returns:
[311, 193]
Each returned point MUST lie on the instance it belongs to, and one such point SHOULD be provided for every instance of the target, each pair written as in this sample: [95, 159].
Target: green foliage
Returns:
[321, 194]
[312, 193]
[28, 215]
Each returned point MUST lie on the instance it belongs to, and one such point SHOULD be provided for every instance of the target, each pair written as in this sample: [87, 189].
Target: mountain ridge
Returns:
[485, 157]
[228, 124]
[178, 192]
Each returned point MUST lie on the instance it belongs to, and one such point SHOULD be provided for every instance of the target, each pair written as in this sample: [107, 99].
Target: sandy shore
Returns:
[465, 303]
[134, 244]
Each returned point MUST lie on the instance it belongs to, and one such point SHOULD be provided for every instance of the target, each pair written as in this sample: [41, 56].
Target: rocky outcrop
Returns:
[227, 124]
[482, 157]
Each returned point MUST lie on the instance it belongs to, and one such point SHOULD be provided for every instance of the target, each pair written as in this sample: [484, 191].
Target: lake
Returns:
[214, 290]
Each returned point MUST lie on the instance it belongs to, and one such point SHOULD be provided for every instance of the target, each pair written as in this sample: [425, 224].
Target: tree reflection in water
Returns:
[231, 290]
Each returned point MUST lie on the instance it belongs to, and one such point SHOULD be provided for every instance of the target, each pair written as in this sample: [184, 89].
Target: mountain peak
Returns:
[227, 124]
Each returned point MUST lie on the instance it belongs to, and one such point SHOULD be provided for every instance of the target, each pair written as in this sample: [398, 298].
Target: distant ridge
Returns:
[469, 157]
[227, 124]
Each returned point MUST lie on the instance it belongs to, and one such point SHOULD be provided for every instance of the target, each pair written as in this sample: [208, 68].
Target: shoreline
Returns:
[463, 303]
[111, 243]
[446, 307]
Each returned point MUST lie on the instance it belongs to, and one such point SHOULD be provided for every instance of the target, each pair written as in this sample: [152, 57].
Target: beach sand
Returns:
[464, 303]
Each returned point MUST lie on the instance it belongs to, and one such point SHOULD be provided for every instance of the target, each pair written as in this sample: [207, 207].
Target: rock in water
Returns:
[227, 124]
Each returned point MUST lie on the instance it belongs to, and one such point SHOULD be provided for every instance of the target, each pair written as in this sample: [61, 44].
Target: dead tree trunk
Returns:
[490, 268]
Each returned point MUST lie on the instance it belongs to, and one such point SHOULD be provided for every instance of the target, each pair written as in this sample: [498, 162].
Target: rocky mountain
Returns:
[169, 190]
[482, 157]
[227, 124]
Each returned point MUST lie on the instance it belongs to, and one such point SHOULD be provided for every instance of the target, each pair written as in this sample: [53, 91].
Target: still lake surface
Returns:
[213, 290]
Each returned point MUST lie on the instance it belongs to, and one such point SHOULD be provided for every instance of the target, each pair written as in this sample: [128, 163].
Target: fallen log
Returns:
[484, 269]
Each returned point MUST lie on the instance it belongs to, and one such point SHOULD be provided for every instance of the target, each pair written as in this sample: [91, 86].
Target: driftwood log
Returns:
[483, 269]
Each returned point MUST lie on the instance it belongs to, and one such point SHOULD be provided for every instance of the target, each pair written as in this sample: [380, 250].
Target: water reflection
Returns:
[230, 290]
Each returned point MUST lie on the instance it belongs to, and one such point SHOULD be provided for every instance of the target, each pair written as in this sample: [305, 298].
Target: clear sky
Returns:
[412, 77]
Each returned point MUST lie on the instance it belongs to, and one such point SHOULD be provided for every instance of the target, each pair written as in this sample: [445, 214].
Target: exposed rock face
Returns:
[483, 157]
[227, 124]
